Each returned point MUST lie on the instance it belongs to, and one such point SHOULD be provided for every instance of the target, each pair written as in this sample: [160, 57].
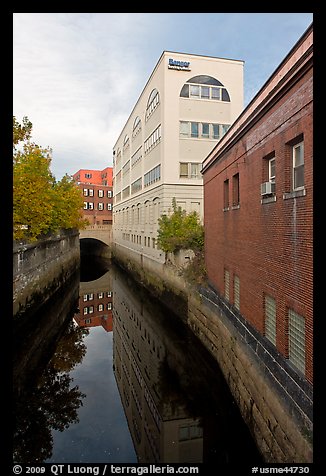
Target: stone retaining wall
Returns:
[40, 268]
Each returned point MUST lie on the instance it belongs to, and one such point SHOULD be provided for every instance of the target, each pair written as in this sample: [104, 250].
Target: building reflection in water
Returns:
[177, 404]
[95, 303]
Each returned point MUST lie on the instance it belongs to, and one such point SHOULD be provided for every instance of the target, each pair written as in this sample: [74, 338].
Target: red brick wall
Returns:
[95, 215]
[269, 245]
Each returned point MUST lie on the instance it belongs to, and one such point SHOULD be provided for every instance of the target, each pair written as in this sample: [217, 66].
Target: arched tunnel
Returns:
[94, 258]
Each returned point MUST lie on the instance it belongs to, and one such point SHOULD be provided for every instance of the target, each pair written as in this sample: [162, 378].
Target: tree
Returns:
[180, 231]
[40, 203]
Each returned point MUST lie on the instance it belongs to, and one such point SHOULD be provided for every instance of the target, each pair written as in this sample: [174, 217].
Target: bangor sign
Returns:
[180, 65]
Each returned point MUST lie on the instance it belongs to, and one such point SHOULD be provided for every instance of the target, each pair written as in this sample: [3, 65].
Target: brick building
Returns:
[96, 187]
[258, 213]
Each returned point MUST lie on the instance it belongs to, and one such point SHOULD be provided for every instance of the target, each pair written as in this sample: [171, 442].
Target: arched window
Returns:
[126, 142]
[204, 87]
[136, 127]
[153, 102]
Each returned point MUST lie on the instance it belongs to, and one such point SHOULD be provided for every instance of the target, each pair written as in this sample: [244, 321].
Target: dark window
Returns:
[226, 193]
[236, 190]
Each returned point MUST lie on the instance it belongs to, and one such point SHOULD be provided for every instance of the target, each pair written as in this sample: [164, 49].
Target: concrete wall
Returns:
[275, 404]
[40, 268]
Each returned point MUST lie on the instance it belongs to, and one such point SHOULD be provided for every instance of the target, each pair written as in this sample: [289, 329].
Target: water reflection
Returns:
[44, 395]
[120, 380]
[176, 401]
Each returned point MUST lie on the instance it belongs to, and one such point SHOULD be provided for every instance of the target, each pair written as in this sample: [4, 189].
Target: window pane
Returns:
[185, 91]
[216, 93]
[227, 284]
[272, 170]
[205, 130]
[216, 131]
[194, 90]
[194, 129]
[236, 292]
[236, 190]
[226, 193]
[184, 128]
[194, 170]
[299, 177]
[298, 155]
[297, 340]
[183, 169]
[204, 92]
[270, 319]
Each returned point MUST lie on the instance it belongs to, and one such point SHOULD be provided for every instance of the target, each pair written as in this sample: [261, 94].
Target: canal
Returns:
[105, 374]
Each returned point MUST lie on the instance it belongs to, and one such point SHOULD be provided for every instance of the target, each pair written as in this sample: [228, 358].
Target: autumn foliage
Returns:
[41, 205]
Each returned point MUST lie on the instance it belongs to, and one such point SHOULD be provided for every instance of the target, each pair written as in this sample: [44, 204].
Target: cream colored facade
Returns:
[186, 106]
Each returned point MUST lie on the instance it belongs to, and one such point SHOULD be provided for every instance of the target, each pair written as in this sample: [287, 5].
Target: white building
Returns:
[187, 104]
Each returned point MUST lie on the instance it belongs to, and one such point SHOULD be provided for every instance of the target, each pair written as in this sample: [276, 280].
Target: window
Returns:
[194, 129]
[100, 307]
[298, 166]
[152, 176]
[88, 175]
[226, 194]
[297, 340]
[270, 319]
[85, 192]
[109, 193]
[91, 192]
[153, 139]
[101, 193]
[271, 170]
[236, 190]
[136, 127]
[227, 284]
[190, 432]
[100, 206]
[109, 206]
[189, 170]
[204, 87]
[236, 290]
[136, 157]
[194, 91]
[153, 102]
[205, 130]
[202, 130]
[136, 185]
[184, 129]
[216, 131]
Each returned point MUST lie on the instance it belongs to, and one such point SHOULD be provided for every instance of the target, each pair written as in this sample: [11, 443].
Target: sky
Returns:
[77, 76]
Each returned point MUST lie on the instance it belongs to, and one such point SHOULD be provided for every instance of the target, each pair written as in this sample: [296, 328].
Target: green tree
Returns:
[40, 203]
[180, 230]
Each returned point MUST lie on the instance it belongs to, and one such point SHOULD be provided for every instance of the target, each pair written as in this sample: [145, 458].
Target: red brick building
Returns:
[258, 212]
[97, 190]
[95, 309]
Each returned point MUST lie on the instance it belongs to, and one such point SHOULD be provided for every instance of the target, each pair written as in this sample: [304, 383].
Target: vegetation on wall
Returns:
[180, 230]
[41, 204]
[184, 231]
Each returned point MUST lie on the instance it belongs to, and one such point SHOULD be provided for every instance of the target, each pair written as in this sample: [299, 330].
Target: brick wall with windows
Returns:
[258, 238]
[97, 191]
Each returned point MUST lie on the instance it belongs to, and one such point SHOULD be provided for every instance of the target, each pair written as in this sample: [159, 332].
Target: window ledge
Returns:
[269, 199]
[296, 193]
[235, 207]
[226, 209]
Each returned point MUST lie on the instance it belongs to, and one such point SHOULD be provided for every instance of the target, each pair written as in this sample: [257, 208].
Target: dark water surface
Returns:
[114, 377]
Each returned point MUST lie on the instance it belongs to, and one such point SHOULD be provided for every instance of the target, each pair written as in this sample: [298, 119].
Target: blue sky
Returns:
[77, 76]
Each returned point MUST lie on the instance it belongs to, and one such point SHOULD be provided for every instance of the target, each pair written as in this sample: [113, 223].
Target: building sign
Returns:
[179, 65]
